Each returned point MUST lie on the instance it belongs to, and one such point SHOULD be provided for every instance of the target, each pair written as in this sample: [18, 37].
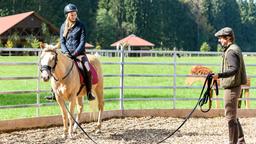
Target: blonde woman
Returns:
[72, 40]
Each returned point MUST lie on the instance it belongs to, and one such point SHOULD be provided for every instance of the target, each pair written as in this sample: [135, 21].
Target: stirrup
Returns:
[50, 98]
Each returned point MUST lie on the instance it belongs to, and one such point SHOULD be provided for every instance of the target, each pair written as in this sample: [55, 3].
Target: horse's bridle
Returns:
[51, 69]
[47, 67]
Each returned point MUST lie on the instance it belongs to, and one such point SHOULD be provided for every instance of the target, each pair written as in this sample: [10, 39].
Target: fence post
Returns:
[121, 94]
[38, 87]
[174, 76]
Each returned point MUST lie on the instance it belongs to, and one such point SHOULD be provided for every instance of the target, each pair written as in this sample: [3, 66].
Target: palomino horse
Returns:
[65, 82]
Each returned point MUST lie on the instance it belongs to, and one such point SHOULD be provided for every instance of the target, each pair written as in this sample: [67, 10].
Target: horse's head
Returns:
[48, 60]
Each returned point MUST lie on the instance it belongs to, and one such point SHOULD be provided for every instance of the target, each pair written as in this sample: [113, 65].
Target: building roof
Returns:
[133, 40]
[8, 22]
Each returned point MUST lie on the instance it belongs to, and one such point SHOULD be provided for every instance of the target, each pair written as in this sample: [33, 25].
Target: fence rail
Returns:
[122, 54]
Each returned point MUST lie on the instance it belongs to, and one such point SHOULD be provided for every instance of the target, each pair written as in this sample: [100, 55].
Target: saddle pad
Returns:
[94, 74]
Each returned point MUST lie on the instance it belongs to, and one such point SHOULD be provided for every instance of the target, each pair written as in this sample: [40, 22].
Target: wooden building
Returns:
[25, 25]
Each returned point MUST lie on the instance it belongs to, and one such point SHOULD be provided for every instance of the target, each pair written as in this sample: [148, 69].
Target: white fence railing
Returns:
[122, 54]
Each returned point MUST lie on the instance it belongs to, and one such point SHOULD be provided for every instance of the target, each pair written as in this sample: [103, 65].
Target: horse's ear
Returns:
[57, 46]
[46, 46]
[42, 45]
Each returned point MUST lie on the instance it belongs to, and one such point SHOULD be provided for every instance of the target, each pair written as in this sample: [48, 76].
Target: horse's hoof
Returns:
[64, 136]
[70, 136]
[97, 131]
[74, 131]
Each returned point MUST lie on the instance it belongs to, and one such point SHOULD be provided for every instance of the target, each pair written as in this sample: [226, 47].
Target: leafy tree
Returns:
[4, 12]
[178, 26]
[98, 47]
[29, 41]
[32, 42]
[248, 18]
[46, 33]
[1, 44]
[220, 14]
[184, 24]
[202, 12]
[205, 47]
[106, 27]
[15, 39]
[35, 43]
[219, 48]
[243, 7]
[9, 44]
[129, 25]
[117, 12]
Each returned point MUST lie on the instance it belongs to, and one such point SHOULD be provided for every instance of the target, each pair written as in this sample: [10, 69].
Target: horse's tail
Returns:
[98, 103]
[93, 108]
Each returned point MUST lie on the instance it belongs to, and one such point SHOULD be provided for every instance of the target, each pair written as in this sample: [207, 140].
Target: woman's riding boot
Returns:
[51, 97]
[88, 84]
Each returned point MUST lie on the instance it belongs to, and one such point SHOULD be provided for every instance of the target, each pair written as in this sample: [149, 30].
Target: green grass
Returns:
[32, 70]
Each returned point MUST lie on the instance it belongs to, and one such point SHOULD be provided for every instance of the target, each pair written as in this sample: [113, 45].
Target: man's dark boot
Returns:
[241, 139]
[88, 84]
[51, 97]
[233, 131]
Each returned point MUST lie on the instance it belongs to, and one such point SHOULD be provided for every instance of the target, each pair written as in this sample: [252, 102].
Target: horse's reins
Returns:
[79, 125]
[201, 101]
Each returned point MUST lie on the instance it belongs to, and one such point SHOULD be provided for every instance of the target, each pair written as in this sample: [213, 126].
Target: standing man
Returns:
[233, 75]
[72, 40]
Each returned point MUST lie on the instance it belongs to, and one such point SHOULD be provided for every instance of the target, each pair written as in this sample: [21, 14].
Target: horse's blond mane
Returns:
[49, 48]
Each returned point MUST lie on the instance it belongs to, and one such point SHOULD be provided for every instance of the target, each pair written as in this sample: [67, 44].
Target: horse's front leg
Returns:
[71, 108]
[61, 103]
[80, 107]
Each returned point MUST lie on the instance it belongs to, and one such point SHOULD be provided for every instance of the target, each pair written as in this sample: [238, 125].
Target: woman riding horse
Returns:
[65, 82]
[72, 39]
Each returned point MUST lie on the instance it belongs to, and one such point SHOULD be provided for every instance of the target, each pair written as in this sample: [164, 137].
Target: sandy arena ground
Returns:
[145, 130]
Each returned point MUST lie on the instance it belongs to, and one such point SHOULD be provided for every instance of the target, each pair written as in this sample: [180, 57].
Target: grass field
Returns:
[17, 99]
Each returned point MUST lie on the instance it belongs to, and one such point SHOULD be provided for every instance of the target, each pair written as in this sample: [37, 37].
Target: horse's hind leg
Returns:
[80, 107]
[100, 98]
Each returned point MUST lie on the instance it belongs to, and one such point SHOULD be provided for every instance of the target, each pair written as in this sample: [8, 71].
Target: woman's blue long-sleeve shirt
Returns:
[75, 39]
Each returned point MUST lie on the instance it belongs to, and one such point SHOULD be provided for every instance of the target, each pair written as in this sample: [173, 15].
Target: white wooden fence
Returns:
[122, 54]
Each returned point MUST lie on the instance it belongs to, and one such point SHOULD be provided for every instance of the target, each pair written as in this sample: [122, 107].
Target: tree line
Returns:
[184, 24]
